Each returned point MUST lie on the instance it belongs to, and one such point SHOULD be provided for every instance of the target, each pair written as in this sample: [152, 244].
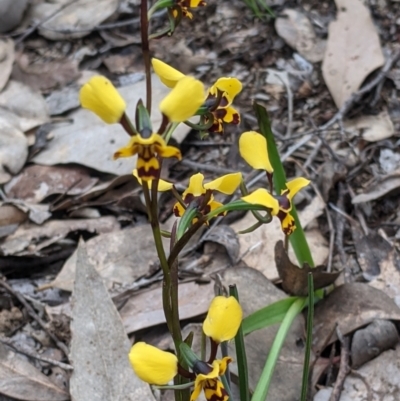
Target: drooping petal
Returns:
[295, 186]
[163, 186]
[168, 75]
[100, 96]
[198, 386]
[184, 100]
[178, 210]
[223, 319]
[170, 151]
[287, 223]
[253, 149]
[129, 150]
[227, 184]
[153, 365]
[232, 116]
[262, 197]
[230, 86]
[195, 186]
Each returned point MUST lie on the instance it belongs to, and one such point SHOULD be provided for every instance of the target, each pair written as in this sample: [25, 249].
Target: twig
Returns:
[344, 368]
[10, 343]
[35, 316]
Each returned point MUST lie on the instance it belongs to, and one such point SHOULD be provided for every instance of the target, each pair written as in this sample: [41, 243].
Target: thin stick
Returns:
[35, 316]
[144, 30]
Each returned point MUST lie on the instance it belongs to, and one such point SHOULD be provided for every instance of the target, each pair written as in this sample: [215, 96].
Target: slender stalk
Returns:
[144, 30]
[261, 391]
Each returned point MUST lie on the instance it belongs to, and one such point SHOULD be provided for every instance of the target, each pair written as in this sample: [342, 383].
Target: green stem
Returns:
[144, 30]
[171, 129]
[261, 391]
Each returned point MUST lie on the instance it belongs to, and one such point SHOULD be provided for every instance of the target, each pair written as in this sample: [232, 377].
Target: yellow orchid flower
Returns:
[207, 380]
[147, 149]
[100, 96]
[226, 184]
[186, 4]
[184, 100]
[280, 205]
[153, 365]
[223, 319]
[225, 89]
[253, 149]
[224, 113]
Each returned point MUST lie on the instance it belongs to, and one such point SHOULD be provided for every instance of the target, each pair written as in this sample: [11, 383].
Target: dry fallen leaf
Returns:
[6, 60]
[28, 105]
[353, 50]
[118, 256]
[22, 381]
[36, 182]
[350, 306]
[75, 20]
[380, 187]
[145, 309]
[13, 146]
[295, 279]
[371, 128]
[99, 346]
[297, 31]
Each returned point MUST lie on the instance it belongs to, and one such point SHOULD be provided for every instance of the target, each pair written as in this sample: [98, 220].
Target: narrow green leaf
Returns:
[271, 314]
[241, 355]
[310, 317]
[297, 239]
[261, 391]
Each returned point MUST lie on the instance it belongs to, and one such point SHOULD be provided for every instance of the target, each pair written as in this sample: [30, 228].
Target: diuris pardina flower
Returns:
[280, 205]
[196, 190]
[219, 98]
[253, 149]
[186, 4]
[100, 96]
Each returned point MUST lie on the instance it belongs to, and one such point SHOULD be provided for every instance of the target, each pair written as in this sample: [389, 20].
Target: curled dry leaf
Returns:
[353, 50]
[75, 20]
[100, 346]
[13, 146]
[295, 279]
[350, 306]
[380, 187]
[6, 60]
[28, 105]
[297, 31]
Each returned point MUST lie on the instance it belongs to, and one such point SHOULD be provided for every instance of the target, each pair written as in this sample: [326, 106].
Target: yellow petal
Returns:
[295, 185]
[168, 75]
[230, 86]
[129, 150]
[162, 185]
[153, 365]
[184, 100]
[287, 223]
[253, 149]
[170, 151]
[215, 205]
[178, 210]
[227, 184]
[195, 3]
[198, 385]
[100, 96]
[262, 197]
[232, 116]
[195, 186]
[223, 319]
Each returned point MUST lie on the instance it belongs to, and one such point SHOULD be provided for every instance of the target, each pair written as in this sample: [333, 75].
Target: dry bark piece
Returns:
[351, 306]
[74, 20]
[353, 50]
[225, 236]
[145, 309]
[100, 346]
[255, 292]
[22, 381]
[297, 31]
[295, 279]
[372, 340]
[35, 183]
[119, 257]
[329, 174]
[6, 58]
[380, 187]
